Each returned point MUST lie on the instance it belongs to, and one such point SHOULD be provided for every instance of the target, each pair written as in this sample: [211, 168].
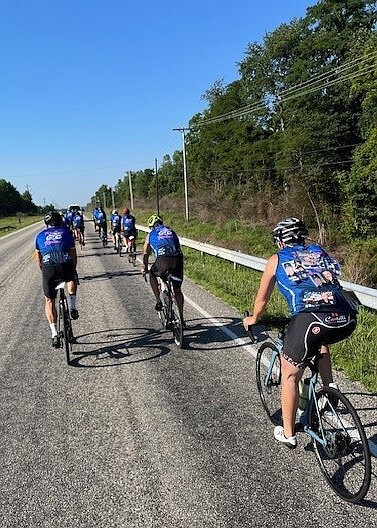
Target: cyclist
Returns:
[94, 218]
[128, 227]
[164, 243]
[101, 222]
[115, 226]
[302, 275]
[57, 258]
[78, 226]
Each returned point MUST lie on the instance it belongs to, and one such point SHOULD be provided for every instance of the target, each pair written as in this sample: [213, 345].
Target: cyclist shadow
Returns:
[108, 275]
[114, 347]
[197, 335]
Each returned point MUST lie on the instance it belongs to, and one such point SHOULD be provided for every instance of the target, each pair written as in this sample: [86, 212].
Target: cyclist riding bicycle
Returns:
[128, 226]
[321, 315]
[115, 226]
[164, 243]
[78, 226]
[57, 258]
[102, 222]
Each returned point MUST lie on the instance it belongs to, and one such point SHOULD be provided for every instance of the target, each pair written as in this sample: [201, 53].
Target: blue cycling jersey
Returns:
[128, 223]
[307, 277]
[78, 220]
[55, 243]
[164, 242]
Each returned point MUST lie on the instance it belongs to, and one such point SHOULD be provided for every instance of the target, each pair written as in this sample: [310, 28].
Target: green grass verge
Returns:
[356, 356]
[8, 224]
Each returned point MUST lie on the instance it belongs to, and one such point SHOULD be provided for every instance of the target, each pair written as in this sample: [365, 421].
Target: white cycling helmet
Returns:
[290, 231]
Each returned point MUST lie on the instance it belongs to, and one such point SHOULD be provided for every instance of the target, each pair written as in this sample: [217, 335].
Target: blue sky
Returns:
[93, 88]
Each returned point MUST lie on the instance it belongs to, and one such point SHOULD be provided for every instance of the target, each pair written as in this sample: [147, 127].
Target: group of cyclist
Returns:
[305, 274]
[74, 219]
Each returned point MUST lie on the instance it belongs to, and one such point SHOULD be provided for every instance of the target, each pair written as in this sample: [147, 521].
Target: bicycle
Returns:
[118, 243]
[131, 249]
[170, 316]
[64, 324]
[329, 419]
[103, 237]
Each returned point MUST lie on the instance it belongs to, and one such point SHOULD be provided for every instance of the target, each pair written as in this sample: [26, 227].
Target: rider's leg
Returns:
[154, 285]
[179, 297]
[324, 366]
[290, 376]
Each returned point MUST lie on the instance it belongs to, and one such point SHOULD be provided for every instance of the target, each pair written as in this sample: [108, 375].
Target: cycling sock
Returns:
[72, 301]
[54, 331]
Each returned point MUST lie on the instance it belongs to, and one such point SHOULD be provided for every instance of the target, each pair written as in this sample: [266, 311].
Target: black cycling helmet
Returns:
[154, 220]
[53, 218]
[290, 231]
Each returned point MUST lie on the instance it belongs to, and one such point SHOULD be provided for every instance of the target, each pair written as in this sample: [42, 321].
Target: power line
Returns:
[309, 86]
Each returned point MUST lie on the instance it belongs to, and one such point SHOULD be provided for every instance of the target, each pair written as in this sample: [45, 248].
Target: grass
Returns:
[356, 356]
[8, 224]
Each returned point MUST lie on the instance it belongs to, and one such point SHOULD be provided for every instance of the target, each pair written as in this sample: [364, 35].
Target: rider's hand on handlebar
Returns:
[248, 322]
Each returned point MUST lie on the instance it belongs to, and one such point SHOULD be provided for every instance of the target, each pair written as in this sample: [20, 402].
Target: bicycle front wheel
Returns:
[268, 374]
[342, 448]
[176, 324]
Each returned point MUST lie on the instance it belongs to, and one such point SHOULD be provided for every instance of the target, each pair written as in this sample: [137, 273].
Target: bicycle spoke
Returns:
[268, 376]
[343, 454]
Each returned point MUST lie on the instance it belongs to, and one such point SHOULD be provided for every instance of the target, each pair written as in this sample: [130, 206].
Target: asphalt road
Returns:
[137, 433]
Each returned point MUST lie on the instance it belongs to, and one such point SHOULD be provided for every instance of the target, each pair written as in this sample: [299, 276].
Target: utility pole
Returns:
[183, 130]
[157, 187]
[112, 198]
[131, 193]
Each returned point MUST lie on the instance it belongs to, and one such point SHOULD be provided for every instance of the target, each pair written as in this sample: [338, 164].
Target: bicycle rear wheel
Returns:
[67, 331]
[342, 450]
[268, 374]
[176, 324]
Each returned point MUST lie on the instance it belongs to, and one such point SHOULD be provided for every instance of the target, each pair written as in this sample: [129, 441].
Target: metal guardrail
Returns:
[366, 296]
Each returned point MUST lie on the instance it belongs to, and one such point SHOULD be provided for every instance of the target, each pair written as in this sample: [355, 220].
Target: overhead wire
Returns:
[326, 79]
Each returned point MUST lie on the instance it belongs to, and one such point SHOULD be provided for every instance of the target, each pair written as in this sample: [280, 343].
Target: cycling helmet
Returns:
[126, 211]
[53, 218]
[290, 231]
[154, 220]
[115, 212]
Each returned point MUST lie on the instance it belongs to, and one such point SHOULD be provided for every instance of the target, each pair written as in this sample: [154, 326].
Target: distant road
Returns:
[138, 433]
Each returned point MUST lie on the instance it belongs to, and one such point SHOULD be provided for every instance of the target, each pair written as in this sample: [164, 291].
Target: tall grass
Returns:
[356, 356]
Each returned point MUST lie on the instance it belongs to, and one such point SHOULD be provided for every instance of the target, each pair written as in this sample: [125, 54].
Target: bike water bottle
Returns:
[303, 393]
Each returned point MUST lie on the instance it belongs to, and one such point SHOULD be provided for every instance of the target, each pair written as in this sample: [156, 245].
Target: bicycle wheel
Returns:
[67, 331]
[268, 374]
[176, 324]
[342, 448]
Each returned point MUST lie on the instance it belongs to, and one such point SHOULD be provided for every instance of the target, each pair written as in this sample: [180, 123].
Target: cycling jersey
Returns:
[115, 221]
[128, 224]
[164, 242]
[78, 221]
[307, 278]
[54, 244]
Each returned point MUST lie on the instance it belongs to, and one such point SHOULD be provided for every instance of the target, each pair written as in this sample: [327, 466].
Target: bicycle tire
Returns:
[163, 317]
[67, 331]
[176, 324]
[269, 390]
[345, 460]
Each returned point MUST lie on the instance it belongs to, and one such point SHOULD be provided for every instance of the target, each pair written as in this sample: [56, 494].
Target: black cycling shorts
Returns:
[52, 275]
[163, 264]
[309, 330]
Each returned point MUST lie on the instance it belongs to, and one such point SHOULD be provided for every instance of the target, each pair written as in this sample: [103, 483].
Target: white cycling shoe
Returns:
[290, 442]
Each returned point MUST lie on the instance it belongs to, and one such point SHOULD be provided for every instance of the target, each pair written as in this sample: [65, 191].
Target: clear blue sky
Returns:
[92, 88]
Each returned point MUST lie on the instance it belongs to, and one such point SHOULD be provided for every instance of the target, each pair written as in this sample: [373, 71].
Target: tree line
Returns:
[12, 202]
[296, 132]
